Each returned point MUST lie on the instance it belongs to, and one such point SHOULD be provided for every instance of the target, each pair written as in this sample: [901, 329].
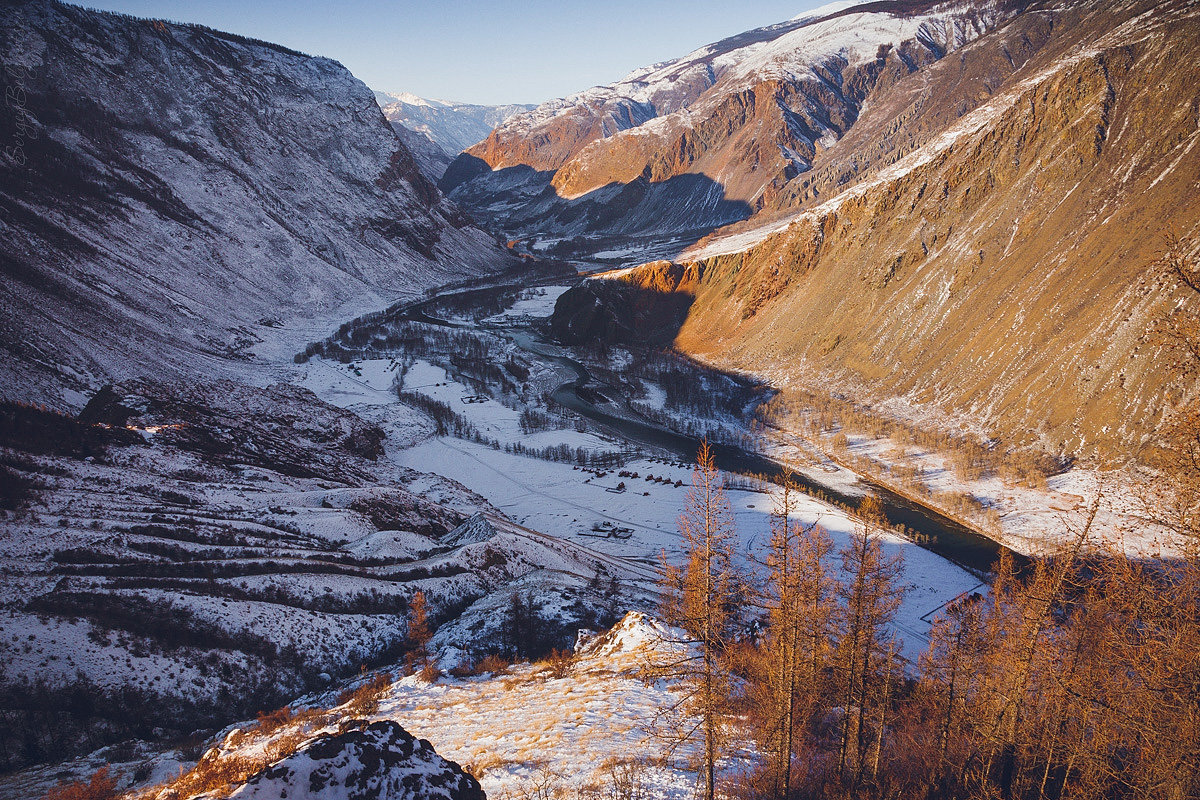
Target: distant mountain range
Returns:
[452, 127]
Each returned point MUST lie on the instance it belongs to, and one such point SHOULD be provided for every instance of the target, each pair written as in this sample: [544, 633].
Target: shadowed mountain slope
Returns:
[172, 195]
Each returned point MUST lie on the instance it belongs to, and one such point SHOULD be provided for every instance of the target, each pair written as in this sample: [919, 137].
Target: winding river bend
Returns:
[599, 402]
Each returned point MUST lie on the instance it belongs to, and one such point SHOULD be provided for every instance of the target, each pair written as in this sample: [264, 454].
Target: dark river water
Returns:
[939, 533]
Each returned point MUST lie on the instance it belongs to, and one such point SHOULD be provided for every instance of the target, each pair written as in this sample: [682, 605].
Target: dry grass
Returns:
[219, 770]
[215, 772]
[485, 763]
[271, 721]
[494, 664]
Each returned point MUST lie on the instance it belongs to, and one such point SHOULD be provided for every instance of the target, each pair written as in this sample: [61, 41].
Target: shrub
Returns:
[271, 721]
[14, 489]
[495, 663]
[559, 662]
[364, 700]
[100, 787]
[626, 778]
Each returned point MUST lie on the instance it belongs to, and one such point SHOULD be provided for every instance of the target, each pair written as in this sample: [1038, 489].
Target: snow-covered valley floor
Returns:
[565, 501]
[1033, 521]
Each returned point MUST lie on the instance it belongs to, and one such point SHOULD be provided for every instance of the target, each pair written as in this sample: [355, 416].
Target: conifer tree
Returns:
[800, 601]
[418, 627]
[870, 599]
[699, 598]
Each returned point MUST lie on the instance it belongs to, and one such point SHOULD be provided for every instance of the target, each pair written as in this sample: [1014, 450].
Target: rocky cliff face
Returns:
[706, 140]
[980, 245]
[431, 160]
[171, 195]
[641, 307]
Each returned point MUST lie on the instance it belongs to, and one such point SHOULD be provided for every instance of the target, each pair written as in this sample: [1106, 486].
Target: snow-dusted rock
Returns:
[381, 762]
[636, 633]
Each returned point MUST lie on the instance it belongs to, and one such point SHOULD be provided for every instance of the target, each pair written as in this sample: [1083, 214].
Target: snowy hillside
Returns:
[588, 723]
[207, 550]
[172, 195]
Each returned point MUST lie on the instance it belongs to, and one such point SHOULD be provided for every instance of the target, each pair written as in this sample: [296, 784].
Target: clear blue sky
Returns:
[480, 51]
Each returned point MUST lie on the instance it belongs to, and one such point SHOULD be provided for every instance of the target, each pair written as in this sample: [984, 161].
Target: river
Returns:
[584, 395]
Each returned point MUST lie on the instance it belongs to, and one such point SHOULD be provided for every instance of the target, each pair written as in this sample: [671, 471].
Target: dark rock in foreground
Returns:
[381, 762]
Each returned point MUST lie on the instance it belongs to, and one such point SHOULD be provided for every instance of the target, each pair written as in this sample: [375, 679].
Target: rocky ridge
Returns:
[706, 140]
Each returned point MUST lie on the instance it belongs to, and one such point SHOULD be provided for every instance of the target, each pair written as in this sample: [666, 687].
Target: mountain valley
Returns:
[355, 444]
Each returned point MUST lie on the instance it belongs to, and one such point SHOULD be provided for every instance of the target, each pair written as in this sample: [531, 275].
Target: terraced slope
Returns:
[181, 555]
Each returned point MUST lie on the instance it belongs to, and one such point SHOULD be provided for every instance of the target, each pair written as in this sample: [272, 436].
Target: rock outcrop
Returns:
[380, 762]
[646, 306]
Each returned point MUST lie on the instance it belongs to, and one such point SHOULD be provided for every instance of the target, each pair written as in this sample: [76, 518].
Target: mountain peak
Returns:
[408, 98]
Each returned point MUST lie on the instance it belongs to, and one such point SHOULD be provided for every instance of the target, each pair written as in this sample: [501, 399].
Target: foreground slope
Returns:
[169, 193]
[180, 553]
[594, 724]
